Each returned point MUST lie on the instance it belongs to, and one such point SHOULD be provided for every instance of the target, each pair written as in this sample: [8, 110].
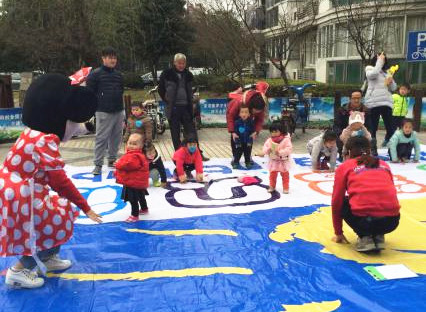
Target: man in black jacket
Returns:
[175, 89]
[107, 83]
[342, 118]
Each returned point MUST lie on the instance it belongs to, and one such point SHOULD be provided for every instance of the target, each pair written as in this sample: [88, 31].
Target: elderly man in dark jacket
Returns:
[175, 89]
[342, 118]
[107, 83]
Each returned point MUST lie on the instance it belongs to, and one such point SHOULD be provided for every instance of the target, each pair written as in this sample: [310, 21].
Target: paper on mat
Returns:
[388, 272]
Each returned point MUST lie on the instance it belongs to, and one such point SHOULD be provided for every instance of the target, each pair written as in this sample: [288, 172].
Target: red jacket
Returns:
[371, 192]
[233, 111]
[182, 156]
[132, 170]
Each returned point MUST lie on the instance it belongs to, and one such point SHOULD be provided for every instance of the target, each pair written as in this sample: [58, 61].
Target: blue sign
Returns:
[11, 117]
[416, 50]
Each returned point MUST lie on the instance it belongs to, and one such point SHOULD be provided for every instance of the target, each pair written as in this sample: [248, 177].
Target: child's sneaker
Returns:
[23, 279]
[143, 211]
[249, 165]
[234, 165]
[379, 240]
[56, 264]
[132, 219]
[271, 189]
[156, 183]
[365, 243]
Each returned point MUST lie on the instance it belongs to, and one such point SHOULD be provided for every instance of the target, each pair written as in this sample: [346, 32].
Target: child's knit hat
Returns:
[356, 116]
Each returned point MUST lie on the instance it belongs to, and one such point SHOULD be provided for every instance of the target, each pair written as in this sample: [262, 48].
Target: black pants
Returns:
[136, 204]
[373, 121]
[240, 149]
[366, 226]
[247, 152]
[397, 122]
[186, 167]
[403, 150]
[181, 117]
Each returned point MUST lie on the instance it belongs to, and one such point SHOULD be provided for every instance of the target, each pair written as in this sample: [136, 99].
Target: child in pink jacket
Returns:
[279, 149]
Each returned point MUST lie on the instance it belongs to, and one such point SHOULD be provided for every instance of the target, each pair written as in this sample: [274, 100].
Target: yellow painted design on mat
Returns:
[141, 276]
[409, 236]
[185, 232]
[324, 306]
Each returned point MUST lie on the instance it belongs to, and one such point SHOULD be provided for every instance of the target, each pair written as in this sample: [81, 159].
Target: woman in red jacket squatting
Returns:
[371, 208]
[132, 170]
[256, 101]
[186, 159]
[35, 223]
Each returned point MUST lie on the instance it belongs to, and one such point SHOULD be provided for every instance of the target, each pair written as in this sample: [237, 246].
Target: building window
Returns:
[348, 72]
[390, 35]
[272, 17]
[326, 41]
[341, 40]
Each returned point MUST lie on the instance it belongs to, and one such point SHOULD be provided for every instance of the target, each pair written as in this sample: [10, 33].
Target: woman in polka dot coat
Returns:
[33, 222]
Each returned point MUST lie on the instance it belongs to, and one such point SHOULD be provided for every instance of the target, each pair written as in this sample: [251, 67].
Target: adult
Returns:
[107, 83]
[256, 101]
[39, 222]
[342, 118]
[175, 89]
[371, 208]
[378, 98]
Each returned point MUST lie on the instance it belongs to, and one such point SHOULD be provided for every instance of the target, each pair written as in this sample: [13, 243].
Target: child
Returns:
[132, 170]
[279, 149]
[371, 207]
[242, 136]
[139, 122]
[156, 166]
[186, 159]
[400, 105]
[402, 142]
[355, 128]
[323, 146]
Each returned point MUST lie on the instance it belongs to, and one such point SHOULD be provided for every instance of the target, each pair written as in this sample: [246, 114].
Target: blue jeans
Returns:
[29, 263]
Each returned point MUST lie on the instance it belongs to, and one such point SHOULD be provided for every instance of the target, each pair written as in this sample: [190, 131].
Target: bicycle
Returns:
[296, 111]
[152, 108]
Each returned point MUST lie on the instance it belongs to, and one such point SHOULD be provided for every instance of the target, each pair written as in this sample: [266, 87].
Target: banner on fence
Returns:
[213, 111]
[11, 118]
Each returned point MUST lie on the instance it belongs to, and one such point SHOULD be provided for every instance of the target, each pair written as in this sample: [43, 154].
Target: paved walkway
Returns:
[213, 141]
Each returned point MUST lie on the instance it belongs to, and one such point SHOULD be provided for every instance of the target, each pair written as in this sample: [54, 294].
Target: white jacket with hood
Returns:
[378, 94]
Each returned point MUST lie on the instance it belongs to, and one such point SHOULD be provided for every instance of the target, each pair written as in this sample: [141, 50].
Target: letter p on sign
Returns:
[420, 38]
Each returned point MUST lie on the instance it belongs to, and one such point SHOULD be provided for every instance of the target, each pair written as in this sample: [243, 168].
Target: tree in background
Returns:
[164, 30]
[220, 41]
[288, 26]
[368, 26]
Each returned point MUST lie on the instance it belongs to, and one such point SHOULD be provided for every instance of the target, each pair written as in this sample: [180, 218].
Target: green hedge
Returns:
[9, 135]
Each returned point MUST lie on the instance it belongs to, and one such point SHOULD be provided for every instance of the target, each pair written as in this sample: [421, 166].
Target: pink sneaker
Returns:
[143, 211]
[132, 219]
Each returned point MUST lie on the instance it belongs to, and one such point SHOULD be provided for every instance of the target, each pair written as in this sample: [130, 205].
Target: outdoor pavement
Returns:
[214, 142]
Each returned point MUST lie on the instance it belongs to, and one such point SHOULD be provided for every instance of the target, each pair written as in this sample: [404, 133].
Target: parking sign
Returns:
[416, 50]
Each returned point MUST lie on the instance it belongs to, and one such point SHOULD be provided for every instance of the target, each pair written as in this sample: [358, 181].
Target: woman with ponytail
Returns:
[371, 208]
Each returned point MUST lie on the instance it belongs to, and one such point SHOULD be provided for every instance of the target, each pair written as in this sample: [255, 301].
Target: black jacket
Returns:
[342, 118]
[107, 83]
[167, 88]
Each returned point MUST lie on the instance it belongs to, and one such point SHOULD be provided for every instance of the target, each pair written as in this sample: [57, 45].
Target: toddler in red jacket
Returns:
[186, 159]
[132, 170]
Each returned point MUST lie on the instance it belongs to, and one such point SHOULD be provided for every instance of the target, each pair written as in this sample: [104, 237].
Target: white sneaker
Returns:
[23, 279]
[56, 264]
